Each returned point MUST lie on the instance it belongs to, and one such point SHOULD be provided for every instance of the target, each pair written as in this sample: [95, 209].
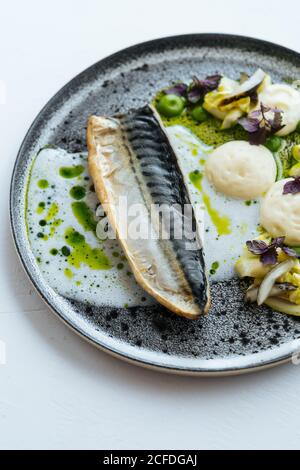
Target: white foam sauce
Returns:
[114, 286]
[98, 287]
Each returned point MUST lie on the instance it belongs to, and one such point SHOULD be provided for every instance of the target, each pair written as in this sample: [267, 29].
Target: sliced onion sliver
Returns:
[270, 279]
[283, 306]
[276, 291]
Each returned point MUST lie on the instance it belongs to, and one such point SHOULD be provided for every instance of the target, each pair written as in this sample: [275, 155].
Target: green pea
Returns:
[273, 143]
[199, 114]
[170, 105]
[77, 192]
[66, 251]
[43, 184]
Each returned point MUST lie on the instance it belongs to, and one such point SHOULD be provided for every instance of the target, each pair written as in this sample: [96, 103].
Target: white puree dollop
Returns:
[240, 170]
[287, 99]
[280, 214]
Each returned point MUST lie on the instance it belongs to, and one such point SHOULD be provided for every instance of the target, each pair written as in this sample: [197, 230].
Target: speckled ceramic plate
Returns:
[234, 337]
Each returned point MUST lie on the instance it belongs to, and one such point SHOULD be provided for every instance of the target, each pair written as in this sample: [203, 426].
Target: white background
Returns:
[56, 391]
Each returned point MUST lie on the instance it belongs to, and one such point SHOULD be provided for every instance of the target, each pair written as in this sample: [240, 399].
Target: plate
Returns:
[234, 337]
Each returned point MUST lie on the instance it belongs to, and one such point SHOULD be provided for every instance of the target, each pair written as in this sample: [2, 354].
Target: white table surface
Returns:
[56, 391]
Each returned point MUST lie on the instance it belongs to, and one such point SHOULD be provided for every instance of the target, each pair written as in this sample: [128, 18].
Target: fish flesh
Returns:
[130, 157]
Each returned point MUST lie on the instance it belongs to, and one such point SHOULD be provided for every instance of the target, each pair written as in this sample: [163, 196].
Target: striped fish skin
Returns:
[131, 156]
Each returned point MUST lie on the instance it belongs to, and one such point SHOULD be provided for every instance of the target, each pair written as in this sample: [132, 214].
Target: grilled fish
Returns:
[130, 157]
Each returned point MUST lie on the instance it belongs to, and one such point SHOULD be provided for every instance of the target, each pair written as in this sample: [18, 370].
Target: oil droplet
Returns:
[214, 267]
[84, 216]
[68, 273]
[66, 251]
[42, 236]
[70, 172]
[43, 184]
[40, 208]
[54, 225]
[222, 223]
[53, 210]
[77, 192]
[83, 253]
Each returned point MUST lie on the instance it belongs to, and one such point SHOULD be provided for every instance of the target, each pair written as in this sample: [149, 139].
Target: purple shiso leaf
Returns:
[194, 95]
[257, 247]
[249, 124]
[259, 137]
[268, 253]
[212, 82]
[256, 114]
[198, 88]
[289, 251]
[180, 90]
[209, 83]
[261, 127]
[292, 187]
[270, 257]
[278, 242]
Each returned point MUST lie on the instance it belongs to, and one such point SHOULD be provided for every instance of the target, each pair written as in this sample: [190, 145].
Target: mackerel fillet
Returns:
[131, 159]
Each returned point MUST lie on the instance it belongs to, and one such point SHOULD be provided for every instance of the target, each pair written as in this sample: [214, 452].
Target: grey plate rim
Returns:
[21, 249]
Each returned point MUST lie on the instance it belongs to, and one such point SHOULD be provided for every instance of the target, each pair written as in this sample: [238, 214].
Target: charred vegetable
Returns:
[276, 291]
[268, 283]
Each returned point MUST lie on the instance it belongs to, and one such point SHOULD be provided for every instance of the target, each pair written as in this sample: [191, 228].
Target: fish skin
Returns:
[131, 155]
